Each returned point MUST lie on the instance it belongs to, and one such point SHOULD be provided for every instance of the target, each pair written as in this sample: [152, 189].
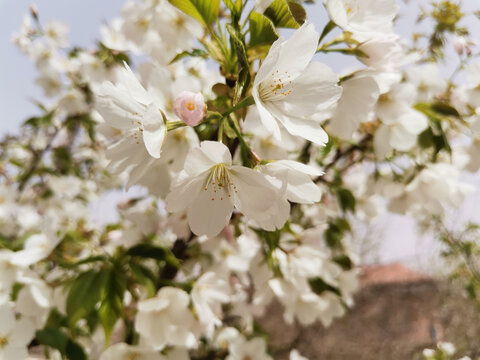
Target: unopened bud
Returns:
[460, 45]
[190, 107]
[463, 45]
[34, 11]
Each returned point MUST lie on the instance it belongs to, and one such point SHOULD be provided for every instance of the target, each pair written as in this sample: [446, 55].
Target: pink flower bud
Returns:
[190, 107]
[460, 44]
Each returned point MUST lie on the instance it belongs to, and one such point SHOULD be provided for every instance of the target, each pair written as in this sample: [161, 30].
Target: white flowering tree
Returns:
[250, 158]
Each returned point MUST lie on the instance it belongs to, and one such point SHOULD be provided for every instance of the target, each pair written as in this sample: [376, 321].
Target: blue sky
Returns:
[17, 72]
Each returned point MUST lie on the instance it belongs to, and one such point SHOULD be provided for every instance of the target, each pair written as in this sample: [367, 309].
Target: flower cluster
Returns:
[243, 184]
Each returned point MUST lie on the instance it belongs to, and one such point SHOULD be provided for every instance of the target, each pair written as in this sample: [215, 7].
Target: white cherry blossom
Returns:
[208, 294]
[128, 107]
[364, 18]
[166, 320]
[122, 351]
[15, 334]
[209, 180]
[292, 92]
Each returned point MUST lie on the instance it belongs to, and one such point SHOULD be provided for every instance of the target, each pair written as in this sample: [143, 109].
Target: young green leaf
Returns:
[205, 11]
[286, 14]
[193, 53]
[84, 294]
[262, 30]
[154, 252]
[111, 305]
[235, 6]
[57, 339]
[346, 200]
[319, 286]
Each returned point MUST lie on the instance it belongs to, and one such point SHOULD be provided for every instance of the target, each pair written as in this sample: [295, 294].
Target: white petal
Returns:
[355, 106]
[414, 121]
[297, 52]
[301, 189]
[124, 153]
[266, 118]
[314, 91]
[154, 130]
[336, 12]
[14, 352]
[254, 194]
[401, 139]
[208, 154]
[23, 332]
[268, 65]
[307, 129]
[297, 166]
[7, 317]
[183, 191]
[210, 211]
[276, 216]
[128, 81]
[117, 107]
[381, 142]
[138, 171]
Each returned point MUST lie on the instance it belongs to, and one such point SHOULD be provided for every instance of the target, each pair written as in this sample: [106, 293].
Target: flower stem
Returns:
[326, 30]
[220, 129]
[175, 125]
[234, 125]
[242, 104]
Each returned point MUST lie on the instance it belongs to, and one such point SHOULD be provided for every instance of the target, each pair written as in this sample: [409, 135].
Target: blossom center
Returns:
[3, 342]
[133, 356]
[352, 6]
[190, 106]
[180, 22]
[276, 87]
[137, 129]
[220, 183]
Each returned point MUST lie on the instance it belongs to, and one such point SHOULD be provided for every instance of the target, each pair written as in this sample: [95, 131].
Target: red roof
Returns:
[386, 274]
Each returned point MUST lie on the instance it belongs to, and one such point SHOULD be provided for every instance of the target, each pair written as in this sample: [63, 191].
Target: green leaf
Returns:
[335, 232]
[144, 276]
[286, 14]
[346, 200]
[56, 319]
[205, 11]
[235, 6]
[75, 351]
[425, 139]
[57, 339]
[298, 12]
[243, 80]
[54, 338]
[228, 131]
[84, 294]
[111, 306]
[242, 85]
[111, 57]
[445, 109]
[326, 30]
[262, 30]
[319, 286]
[239, 45]
[344, 261]
[40, 121]
[154, 252]
[193, 53]
[62, 159]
